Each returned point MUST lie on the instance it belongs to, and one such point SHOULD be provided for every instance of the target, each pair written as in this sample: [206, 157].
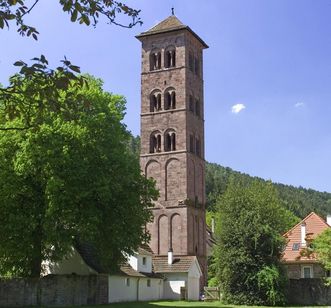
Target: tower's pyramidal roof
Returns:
[171, 23]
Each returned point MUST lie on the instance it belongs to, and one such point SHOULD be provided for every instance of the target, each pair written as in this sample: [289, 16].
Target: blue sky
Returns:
[269, 58]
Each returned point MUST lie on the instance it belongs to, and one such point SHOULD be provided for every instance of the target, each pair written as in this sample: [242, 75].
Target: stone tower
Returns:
[172, 137]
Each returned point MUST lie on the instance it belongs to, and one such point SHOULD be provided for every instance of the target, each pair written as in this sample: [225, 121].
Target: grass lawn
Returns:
[171, 304]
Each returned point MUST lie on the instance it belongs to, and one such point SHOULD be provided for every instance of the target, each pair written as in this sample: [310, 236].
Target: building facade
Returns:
[172, 137]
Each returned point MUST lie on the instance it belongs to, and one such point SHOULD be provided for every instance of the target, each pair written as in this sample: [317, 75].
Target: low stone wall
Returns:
[54, 290]
[308, 292]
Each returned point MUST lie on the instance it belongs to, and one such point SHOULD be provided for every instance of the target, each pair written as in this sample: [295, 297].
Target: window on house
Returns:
[155, 60]
[155, 142]
[191, 61]
[144, 260]
[170, 57]
[127, 282]
[155, 102]
[148, 282]
[296, 246]
[170, 100]
[307, 272]
[170, 141]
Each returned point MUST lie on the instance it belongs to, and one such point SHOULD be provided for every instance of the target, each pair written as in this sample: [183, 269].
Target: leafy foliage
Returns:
[322, 247]
[298, 200]
[81, 11]
[250, 221]
[71, 175]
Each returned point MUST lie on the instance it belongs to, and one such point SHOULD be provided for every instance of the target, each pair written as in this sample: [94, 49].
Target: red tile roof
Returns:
[181, 264]
[314, 226]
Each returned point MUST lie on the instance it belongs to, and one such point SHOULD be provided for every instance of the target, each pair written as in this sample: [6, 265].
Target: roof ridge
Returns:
[303, 220]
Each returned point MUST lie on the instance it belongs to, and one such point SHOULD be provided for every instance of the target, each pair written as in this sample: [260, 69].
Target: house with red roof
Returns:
[297, 262]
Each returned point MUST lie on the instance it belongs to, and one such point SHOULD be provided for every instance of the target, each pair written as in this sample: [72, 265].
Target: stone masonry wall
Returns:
[54, 290]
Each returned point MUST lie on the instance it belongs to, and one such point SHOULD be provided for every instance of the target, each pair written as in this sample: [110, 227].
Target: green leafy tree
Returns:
[71, 176]
[86, 12]
[321, 246]
[250, 223]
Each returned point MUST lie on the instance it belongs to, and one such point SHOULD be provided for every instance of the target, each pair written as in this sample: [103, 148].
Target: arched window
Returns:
[170, 141]
[191, 61]
[155, 60]
[197, 66]
[170, 99]
[197, 107]
[191, 143]
[155, 101]
[155, 142]
[191, 103]
[197, 146]
[170, 57]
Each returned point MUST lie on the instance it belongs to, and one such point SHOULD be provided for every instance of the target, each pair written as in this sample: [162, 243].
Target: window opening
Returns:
[170, 58]
[155, 103]
[197, 66]
[170, 142]
[148, 282]
[170, 100]
[191, 144]
[155, 61]
[155, 143]
[191, 103]
[144, 260]
[197, 107]
[127, 282]
[191, 61]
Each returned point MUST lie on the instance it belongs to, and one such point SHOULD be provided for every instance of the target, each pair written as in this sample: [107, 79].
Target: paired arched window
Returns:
[170, 99]
[155, 142]
[170, 141]
[155, 60]
[170, 57]
[155, 101]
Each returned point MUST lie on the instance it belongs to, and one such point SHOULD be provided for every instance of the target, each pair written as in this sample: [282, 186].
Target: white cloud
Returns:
[299, 104]
[237, 108]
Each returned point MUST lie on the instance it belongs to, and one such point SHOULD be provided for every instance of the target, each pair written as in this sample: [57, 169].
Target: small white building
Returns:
[134, 281]
[179, 272]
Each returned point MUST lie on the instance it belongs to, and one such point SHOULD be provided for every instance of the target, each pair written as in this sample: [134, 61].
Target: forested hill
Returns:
[299, 200]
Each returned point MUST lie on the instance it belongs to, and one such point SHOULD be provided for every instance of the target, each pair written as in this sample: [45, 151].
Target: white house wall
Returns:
[137, 290]
[193, 290]
[118, 291]
[154, 292]
[172, 285]
[72, 264]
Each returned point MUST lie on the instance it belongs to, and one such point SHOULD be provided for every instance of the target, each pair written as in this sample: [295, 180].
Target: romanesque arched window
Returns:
[155, 142]
[170, 99]
[155, 101]
[197, 66]
[197, 146]
[170, 57]
[155, 60]
[191, 103]
[191, 61]
[197, 107]
[191, 143]
[170, 140]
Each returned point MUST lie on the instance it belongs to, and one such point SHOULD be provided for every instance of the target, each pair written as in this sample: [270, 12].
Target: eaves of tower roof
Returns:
[170, 24]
